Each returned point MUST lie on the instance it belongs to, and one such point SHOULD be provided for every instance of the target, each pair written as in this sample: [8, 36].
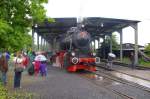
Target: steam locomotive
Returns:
[76, 53]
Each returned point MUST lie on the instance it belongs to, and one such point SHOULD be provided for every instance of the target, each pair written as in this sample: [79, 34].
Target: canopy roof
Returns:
[96, 26]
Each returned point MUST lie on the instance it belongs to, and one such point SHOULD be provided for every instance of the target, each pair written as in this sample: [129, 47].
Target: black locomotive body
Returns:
[77, 52]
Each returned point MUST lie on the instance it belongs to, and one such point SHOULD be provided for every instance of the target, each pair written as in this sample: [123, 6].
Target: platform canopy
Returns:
[96, 26]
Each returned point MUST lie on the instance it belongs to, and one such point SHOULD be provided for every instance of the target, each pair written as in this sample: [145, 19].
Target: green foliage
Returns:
[126, 60]
[144, 63]
[19, 95]
[147, 48]
[115, 45]
[141, 62]
[114, 42]
[16, 20]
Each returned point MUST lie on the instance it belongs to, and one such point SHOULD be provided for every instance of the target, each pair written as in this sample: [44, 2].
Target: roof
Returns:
[130, 46]
[96, 26]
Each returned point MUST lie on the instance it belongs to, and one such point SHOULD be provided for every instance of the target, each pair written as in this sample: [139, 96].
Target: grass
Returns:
[141, 62]
[126, 60]
[5, 93]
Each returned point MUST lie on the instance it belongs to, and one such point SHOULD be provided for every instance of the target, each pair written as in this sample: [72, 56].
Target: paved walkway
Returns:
[60, 84]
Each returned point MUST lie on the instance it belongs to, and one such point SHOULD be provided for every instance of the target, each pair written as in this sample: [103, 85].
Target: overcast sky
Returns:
[124, 9]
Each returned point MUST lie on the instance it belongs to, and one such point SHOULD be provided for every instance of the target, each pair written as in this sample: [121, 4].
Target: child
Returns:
[36, 67]
[43, 69]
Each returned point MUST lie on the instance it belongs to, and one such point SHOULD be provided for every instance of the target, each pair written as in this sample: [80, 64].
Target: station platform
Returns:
[139, 73]
[143, 74]
[59, 84]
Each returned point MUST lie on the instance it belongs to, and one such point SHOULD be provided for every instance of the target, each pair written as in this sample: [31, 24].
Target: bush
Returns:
[143, 63]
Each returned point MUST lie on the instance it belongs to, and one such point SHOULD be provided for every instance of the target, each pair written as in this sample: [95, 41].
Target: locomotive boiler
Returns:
[77, 54]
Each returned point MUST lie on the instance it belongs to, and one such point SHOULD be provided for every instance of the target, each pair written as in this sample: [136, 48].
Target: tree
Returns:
[16, 20]
[105, 47]
[115, 44]
[147, 47]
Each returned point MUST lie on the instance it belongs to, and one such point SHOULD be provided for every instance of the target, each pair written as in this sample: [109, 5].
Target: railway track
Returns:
[123, 81]
[103, 75]
[137, 80]
[118, 93]
[140, 67]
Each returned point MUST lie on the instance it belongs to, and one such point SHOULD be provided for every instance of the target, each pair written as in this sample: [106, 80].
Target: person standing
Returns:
[36, 67]
[43, 68]
[132, 60]
[7, 55]
[25, 60]
[111, 57]
[18, 70]
[31, 63]
[4, 68]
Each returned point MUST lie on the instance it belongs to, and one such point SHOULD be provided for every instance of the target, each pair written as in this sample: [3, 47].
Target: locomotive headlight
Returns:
[82, 25]
[73, 53]
[94, 54]
[75, 60]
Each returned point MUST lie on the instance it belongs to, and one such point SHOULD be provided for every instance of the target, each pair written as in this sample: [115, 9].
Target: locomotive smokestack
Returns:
[80, 24]
[80, 19]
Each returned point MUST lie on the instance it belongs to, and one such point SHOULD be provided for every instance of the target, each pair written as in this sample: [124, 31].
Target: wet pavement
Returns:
[60, 84]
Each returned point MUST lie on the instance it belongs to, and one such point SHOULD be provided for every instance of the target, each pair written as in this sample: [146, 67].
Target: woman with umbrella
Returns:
[40, 64]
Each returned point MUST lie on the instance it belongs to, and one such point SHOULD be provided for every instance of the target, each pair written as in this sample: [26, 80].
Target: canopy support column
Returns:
[41, 43]
[110, 43]
[98, 43]
[37, 41]
[104, 52]
[54, 45]
[48, 46]
[44, 45]
[33, 38]
[121, 41]
[94, 45]
[135, 27]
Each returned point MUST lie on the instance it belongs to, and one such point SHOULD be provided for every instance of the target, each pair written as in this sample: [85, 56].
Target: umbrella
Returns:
[40, 58]
[112, 55]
